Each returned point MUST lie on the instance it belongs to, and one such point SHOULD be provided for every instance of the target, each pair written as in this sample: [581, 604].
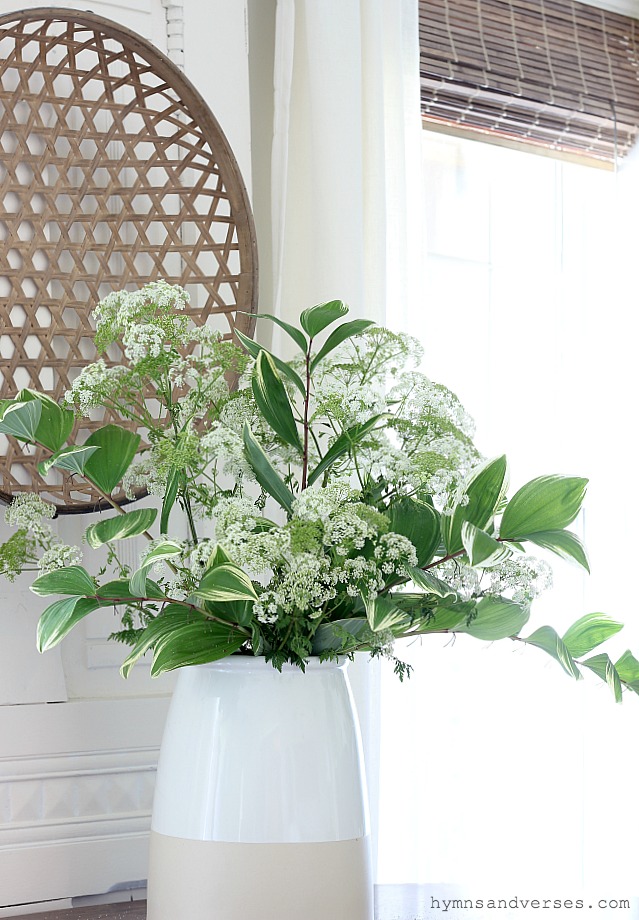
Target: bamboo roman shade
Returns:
[555, 73]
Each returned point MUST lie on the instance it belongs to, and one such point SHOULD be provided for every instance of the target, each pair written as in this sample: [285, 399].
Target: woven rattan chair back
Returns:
[113, 172]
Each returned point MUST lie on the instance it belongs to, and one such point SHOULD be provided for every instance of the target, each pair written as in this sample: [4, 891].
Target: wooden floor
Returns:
[392, 902]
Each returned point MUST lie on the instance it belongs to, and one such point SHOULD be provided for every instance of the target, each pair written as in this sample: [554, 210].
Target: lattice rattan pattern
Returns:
[113, 172]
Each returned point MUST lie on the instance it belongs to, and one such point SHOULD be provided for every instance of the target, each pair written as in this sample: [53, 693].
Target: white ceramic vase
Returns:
[260, 809]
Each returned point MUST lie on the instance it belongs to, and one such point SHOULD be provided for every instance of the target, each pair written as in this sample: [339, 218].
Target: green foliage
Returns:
[272, 400]
[106, 467]
[120, 527]
[545, 503]
[478, 502]
[388, 523]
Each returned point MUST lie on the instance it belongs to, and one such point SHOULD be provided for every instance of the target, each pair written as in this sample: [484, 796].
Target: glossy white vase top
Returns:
[253, 755]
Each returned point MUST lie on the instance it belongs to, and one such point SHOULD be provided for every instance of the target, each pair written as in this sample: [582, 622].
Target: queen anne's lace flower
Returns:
[30, 512]
[59, 557]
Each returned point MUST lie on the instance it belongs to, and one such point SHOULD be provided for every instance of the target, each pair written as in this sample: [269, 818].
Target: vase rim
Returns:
[259, 663]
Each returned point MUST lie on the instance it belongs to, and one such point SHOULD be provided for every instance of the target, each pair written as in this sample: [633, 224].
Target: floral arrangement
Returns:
[335, 502]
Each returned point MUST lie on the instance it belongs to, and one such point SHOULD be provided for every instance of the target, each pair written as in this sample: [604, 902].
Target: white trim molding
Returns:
[175, 30]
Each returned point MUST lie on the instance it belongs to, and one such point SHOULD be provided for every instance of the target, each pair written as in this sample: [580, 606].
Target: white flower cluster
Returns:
[347, 530]
[92, 384]
[319, 504]
[394, 551]
[522, 578]
[424, 402]
[121, 307]
[30, 511]
[347, 401]
[143, 340]
[59, 556]
[144, 474]
[306, 586]
[226, 449]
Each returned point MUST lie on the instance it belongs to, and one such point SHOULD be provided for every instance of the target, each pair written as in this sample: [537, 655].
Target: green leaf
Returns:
[483, 491]
[272, 400]
[319, 317]
[73, 459]
[195, 643]
[563, 543]
[60, 617]
[106, 467]
[382, 613]
[120, 527]
[21, 420]
[119, 591]
[419, 522]
[496, 618]
[547, 639]
[605, 669]
[343, 445]
[332, 635]
[628, 669]
[226, 582]
[589, 632]
[172, 617]
[71, 580]
[160, 552]
[339, 335]
[296, 334]
[55, 423]
[430, 584]
[482, 550]
[545, 503]
[254, 348]
[174, 480]
[265, 472]
[447, 619]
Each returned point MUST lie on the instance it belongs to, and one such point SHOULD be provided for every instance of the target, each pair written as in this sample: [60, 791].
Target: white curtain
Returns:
[344, 172]
[499, 773]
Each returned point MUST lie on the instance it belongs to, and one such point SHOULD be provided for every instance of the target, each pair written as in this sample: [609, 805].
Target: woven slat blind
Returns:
[555, 73]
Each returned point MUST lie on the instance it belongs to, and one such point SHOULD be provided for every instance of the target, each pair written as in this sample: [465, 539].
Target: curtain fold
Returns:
[345, 174]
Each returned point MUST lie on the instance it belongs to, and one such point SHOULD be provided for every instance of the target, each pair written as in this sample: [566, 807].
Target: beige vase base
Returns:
[210, 880]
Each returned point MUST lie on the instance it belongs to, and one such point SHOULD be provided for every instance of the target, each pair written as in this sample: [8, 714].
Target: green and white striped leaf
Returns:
[226, 582]
[547, 639]
[589, 632]
[382, 613]
[195, 643]
[605, 669]
[120, 527]
[73, 579]
[21, 420]
[563, 543]
[60, 618]
[545, 503]
[106, 467]
[55, 423]
[172, 617]
[430, 584]
[496, 618]
[483, 551]
[73, 459]
[484, 490]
